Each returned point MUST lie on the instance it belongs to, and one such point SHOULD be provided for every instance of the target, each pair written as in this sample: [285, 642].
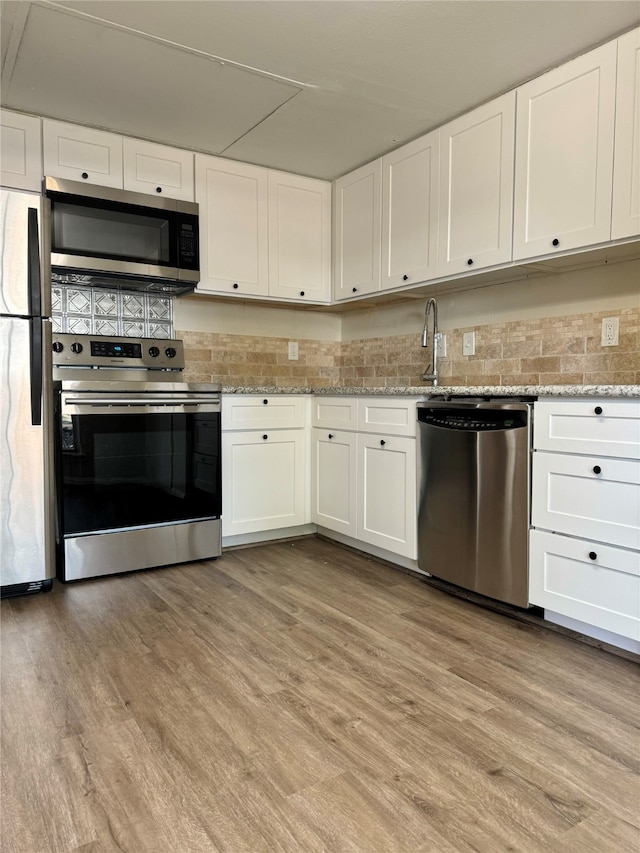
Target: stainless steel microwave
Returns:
[123, 239]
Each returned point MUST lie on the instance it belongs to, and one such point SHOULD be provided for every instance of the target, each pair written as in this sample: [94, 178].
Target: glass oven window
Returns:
[130, 470]
[116, 232]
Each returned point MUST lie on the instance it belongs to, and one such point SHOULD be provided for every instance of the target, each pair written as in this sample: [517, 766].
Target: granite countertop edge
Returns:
[447, 390]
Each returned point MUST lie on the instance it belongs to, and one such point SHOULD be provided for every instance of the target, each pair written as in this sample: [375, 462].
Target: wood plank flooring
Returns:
[300, 696]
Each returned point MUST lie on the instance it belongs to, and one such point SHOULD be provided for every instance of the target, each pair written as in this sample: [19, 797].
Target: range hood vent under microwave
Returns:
[114, 281]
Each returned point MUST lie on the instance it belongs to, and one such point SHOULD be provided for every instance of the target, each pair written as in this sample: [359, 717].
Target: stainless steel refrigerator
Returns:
[27, 561]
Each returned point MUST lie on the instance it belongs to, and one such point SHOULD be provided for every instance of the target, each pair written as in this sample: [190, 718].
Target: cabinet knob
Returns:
[597, 469]
[593, 555]
[555, 242]
[598, 410]
[470, 262]
[235, 285]
[265, 437]
[265, 402]
[405, 278]
[382, 442]
[330, 435]
[158, 189]
[302, 293]
[354, 289]
[85, 176]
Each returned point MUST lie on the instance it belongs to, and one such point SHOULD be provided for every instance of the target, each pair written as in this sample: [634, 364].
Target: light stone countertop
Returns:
[448, 390]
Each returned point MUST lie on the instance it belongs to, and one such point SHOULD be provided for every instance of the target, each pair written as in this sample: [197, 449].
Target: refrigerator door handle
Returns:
[35, 356]
[33, 264]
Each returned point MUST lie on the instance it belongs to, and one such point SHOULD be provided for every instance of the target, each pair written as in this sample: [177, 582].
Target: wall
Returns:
[542, 330]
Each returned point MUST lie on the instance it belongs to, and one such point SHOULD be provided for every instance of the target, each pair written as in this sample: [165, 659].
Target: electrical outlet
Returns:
[469, 343]
[610, 328]
[293, 350]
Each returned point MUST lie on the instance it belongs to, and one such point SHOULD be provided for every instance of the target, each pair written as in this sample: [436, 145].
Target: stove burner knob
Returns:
[76, 348]
[57, 346]
[170, 352]
[154, 352]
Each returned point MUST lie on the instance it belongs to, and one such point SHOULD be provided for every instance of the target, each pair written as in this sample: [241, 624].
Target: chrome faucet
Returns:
[431, 373]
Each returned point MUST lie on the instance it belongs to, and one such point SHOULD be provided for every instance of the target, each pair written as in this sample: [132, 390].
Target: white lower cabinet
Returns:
[584, 556]
[364, 481]
[387, 493]
[264, 482]
[334, 497]
[265, 463]
[588, 581]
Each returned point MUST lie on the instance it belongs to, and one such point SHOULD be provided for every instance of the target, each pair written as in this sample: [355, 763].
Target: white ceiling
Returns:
[316, 87]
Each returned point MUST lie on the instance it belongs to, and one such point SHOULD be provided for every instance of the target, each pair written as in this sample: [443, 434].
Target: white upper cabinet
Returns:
[564, 156]
[410, 213]
[476, 188]
[234, 227]
[625, 219]
[20, 151]
[82, 154]
[299, 238]
[158, 169]
[357, 208]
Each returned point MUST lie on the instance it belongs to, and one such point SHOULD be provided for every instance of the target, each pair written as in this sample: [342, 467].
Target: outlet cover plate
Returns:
[469, 343]
[293, 350]
[610, 331]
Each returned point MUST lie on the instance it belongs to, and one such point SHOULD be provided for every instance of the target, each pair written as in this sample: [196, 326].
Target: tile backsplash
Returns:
[91, 311]
[563, 350]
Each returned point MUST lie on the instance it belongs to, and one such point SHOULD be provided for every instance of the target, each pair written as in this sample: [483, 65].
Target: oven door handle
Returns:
[125, 401]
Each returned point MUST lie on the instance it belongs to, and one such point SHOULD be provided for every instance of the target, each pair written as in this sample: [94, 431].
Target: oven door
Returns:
[138, 478]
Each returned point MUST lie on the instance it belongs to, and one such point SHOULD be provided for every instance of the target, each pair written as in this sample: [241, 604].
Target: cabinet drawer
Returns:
[590, 496]
[602, 589]
[603, 427]
[389, 415]
[334, 412]
[263, 412]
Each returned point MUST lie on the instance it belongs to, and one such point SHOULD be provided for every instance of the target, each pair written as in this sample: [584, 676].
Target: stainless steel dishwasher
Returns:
[473, 501]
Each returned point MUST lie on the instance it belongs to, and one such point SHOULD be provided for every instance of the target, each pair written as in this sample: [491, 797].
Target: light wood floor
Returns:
[302, 697]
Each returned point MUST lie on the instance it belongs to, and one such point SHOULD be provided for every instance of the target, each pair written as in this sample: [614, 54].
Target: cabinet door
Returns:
[158, 169]
[410, 213]
[588, 581]
[299, 238]
[387, 493]
[234, 253]
[82, 154]
[20, 151]
[476, 188]
[564, 156]
[625, 219]
[594, 497]
[357, 208]
[263, 480]
[334, 498]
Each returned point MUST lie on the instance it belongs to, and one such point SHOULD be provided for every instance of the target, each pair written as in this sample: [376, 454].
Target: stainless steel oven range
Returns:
[138, 477]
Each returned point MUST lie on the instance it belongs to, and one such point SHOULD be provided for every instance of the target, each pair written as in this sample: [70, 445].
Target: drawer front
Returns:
[590, 496]
[263, 412]
[334, 412]
[602, 589]
[603, 427]
[390, 415]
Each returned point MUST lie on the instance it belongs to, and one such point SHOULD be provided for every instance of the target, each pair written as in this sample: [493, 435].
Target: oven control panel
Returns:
[99, 351]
